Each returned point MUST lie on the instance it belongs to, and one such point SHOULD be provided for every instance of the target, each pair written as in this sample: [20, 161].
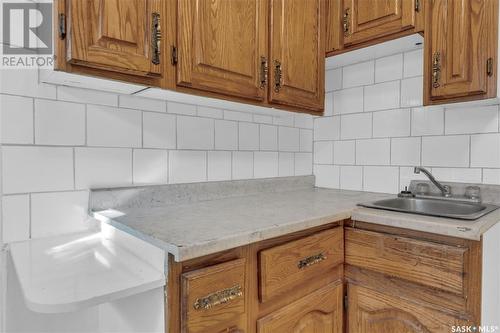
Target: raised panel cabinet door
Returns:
[297, 57]
[460, 38]
[370, 311]
[222, 46]
[116, 35]
[363, 21]
[319, 312]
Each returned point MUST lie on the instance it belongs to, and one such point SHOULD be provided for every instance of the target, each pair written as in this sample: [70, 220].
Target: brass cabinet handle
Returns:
[346, 25]
[436, 69]
[417, 6]
[277, 76]
[218, 297]
[155, 38]
[264, 69]
[309, 261]
[489, 67]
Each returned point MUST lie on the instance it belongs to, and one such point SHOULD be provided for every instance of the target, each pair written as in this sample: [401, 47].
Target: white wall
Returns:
[375, 129]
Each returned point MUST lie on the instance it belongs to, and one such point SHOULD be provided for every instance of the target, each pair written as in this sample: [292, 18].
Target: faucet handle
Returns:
[447, 190]
[473, 192]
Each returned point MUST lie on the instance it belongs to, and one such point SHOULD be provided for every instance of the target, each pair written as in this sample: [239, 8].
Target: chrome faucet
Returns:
[445, 189]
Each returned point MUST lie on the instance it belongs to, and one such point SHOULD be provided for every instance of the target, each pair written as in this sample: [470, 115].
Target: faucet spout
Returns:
[445, 190]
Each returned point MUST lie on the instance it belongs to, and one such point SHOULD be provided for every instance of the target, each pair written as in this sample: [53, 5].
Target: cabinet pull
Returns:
[263, 72]
[309, 261]
[417, 6]
[155, 38]
[436, 69]
[345, 23]
[62, 26]
[218, 297]
[277, 76]
[489, 67]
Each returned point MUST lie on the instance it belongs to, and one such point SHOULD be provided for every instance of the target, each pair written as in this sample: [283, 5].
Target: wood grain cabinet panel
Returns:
[370, 311]
[286, 267]
[319, 312]
[115, 35]
[297, 54]
[221, 45]
[460, 50]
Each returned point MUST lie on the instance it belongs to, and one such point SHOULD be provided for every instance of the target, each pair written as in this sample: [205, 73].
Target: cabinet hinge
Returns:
[173, 55]
[62, 26]
[417, 6]
[345, 23]
[489, 66]
[263, 72]
[346, 301]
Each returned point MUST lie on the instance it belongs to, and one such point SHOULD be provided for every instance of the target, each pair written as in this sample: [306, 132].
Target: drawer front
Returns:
[286, 267]
[431, 264]
[213, 298]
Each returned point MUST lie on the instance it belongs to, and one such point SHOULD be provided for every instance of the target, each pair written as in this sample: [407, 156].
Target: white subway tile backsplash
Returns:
[142, 103]
[333, 79]
[25, 83]
[288, 139]
[150, 166]
[389, 68]
[323, 152]
[181, 108]
[159, 130]
[327, 176]
[405, 151]
[381, 179]
[17, 119]
[446, 151]
[328, 111]
[391, 123]
[219, 165]
[327, 128]
[79, 95]
[491, 176]
[414, 63]
[58, 213]
[344, 152]
[226, 135]
[195, 133]
[471, 120]
[15, 218]
[351, 178]
[303, 120]
[427, 121]
[306, 140]
[485, 150]
[303, 164]
[286, 164]
[268, 137]
[348, 101]
[239, 116]
[262, 119]
[248, 136]
[113, 127]
[242, 165]
[412, 92]
[356, 126]
[373, 152]
[285, 120]
[59, 123]
[204, 111]
[358, 74]
[187, 166]
[382, 96]
[265, 164]
[36, 169]
[461, 175]
[102, 167]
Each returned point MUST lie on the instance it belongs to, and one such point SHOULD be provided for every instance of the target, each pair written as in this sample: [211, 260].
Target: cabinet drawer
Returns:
[435, 265]
[285, 267]
[213, 298]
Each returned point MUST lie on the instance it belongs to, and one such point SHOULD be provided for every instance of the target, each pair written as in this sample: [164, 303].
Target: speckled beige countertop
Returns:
[196, 228]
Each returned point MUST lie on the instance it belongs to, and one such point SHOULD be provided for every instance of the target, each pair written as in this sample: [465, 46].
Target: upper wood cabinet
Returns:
[222, 46]
[116, 35]
[461, 39]
[297, 62]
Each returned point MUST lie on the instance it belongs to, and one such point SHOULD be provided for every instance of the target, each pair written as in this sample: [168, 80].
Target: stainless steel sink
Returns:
[434, 207]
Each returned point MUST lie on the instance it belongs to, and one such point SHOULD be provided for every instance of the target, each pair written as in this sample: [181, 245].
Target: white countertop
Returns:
[70, 272]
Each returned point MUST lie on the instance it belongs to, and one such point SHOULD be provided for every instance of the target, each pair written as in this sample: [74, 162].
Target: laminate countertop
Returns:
[190, 228]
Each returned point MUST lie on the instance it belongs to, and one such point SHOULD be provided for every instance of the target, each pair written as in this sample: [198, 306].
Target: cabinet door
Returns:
[116, 35]
[370, 311]
[222, 46]
[460, 37]
[297, 57]
[368, 20]
[319, 312]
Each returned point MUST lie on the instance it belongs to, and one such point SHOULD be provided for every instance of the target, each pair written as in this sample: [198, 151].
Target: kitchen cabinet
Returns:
[461, 38]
